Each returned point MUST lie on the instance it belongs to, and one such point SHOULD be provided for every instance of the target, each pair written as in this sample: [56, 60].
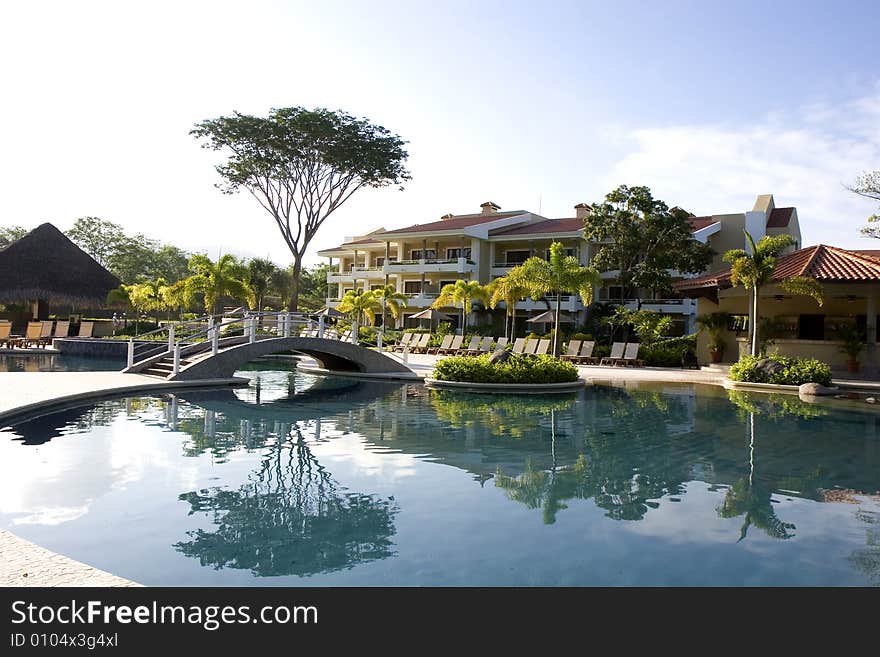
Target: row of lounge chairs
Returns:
[40, 334]
[622, 353]
[579, 351]
[329, 334]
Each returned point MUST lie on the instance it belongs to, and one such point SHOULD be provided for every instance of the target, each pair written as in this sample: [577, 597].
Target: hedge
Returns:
[516, 369]
[793, 371]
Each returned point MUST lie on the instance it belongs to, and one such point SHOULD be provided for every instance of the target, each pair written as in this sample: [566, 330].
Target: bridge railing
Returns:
[212, 328]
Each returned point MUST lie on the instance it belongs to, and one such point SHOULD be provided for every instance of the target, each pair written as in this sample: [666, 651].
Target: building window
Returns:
[380, 262]
[811, 327]
[412, 287]
[376, 287]
[516, 257]
[458, 252]
[416, 254]
[614, 292]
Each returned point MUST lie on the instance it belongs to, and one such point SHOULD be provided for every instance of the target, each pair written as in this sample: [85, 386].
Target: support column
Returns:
[871, 332]
[422, 268]
[387, 260]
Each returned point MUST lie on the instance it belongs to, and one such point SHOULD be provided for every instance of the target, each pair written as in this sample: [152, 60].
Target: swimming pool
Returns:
[57, 363]
[301, 480]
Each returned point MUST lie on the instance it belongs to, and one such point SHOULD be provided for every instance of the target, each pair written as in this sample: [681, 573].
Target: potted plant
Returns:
[715, 324]
[852, 341]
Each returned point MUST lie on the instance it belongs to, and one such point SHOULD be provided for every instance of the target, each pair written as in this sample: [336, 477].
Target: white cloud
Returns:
[804, 157]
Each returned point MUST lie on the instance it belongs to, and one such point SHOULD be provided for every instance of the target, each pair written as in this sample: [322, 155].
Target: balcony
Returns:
[665, 306]
[571, 304]
[434, 266]
[332, 302]
[351, 274]
[503, 267]
[420, 299]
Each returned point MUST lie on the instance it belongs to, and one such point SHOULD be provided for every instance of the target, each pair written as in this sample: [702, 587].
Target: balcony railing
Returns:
[506, 263]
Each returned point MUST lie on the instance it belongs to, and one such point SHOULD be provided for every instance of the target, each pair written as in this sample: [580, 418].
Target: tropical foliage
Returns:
[792, 371]
[392, 301]
[360, 305]
[560, 275]
[226, 277]
[868, 185]
[753, 269]
[507, 290]
[516, 369]
[714, 324]
[461, 293]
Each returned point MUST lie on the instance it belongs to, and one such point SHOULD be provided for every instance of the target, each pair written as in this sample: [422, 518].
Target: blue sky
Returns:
[531, 105]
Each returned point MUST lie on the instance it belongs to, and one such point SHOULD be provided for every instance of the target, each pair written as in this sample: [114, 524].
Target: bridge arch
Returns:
[333, 355]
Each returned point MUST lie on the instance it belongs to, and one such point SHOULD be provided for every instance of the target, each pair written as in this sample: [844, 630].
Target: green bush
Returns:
[516, 369]
[668, 353]
[794, 372]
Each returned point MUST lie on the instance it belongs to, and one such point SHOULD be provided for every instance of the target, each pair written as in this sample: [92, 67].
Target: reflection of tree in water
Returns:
[750, 498]
[627, 466]
[513, 416]
[867, 560]
[290, 519]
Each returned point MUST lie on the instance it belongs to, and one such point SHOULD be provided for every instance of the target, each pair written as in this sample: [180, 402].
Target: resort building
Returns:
[798, 325]
[420, 259]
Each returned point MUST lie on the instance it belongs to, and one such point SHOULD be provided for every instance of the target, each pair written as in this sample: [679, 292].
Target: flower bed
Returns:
[515, 370]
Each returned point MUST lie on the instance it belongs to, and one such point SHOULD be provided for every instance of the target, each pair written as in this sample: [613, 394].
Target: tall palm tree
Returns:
[226, 277]
[561, 274]
[461, 293]
[260, 275]
[509, 291]
[391, 300]
[360, 305]
[754, 269]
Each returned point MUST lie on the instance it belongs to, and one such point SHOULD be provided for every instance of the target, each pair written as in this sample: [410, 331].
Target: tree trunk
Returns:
[556, 326]
[463, 319]
[755, 322]
[294, 295]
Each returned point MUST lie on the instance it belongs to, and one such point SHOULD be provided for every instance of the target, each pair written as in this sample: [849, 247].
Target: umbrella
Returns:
[548, 318]
[430, 314]
[329, 312]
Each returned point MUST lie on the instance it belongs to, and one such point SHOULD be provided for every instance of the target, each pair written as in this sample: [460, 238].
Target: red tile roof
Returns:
[827, 264]
[567, 225]
[347, 245]
[779, 217]
[698, 223]
[459, 221]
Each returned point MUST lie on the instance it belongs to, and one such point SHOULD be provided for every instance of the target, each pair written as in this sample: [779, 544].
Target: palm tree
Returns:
[391, 300]
[464, 293]
[226, 277]
[510, 291]
[260, 276]
[359, 305]
[754, 269]
[559, 275]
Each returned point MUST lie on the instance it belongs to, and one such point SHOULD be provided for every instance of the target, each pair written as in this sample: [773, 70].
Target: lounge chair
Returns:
[62, 329]
[472, 346]
[519, 346]
[574, 347]
[616, 354]
[404, 342]
[453, 347]
[421, 344]
[501, 343]
[5, 331]
[631, 356]
[543, 347]
[346, 336]
[485, 345]
[531, 346]
[586, 357]
[85, 329]
[31, 335]
[445, 344]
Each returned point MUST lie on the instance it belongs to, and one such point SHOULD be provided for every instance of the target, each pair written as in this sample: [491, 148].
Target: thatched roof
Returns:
[46, 265]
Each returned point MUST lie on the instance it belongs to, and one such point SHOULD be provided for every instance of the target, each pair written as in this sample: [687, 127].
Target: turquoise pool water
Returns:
[301, 480]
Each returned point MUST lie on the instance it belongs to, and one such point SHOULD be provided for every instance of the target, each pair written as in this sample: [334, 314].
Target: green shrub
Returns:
[517, 369]
[795, 371]
[668, 353]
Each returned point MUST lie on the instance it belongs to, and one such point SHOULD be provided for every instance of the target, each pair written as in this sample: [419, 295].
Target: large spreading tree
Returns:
[302, 165]
[644, 240]
[868, 185]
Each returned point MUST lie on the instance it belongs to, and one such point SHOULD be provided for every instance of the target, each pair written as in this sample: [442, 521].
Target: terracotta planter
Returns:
[716, 356]
[852, 366]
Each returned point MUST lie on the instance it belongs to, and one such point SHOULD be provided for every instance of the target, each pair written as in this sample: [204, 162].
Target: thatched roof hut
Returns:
[45, 265]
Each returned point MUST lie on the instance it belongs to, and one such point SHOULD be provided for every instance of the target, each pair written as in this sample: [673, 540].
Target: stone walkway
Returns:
[23, 563]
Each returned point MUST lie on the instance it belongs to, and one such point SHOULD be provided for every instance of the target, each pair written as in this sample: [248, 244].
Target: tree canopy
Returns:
[868, 185]
[643, 239]
[302, 165]
[11, 234]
